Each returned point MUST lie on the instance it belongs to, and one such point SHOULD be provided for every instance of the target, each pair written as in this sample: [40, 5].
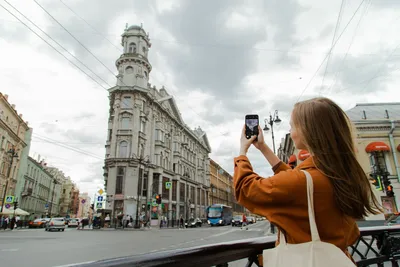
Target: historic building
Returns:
[222, 190]
[149, 149]
[13, 133]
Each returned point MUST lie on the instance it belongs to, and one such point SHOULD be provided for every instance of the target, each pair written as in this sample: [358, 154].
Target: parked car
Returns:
[251, 220]
[73, 222]
[237, 220]
[193, 223]
[38, 223]
[55, 224]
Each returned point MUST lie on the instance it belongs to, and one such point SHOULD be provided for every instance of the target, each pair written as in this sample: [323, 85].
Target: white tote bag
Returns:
[310, 254]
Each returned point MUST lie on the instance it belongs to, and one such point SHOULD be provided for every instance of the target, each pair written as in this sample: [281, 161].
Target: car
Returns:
[237, 220]
[194, 223]
[38, 223]
[251, 220]
[55, 224]
[73, 222]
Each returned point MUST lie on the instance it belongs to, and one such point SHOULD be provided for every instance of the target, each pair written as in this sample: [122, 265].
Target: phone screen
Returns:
[251, 122]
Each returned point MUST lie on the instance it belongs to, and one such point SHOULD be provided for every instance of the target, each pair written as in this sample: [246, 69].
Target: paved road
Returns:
[37, 248]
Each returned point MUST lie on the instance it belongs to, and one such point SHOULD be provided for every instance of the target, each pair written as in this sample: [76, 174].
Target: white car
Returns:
[55, 224]
[73, 222]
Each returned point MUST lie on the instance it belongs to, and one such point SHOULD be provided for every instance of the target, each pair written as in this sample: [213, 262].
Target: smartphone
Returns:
[252, 123]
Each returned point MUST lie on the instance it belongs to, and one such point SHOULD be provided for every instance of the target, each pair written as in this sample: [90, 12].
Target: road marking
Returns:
[9, 249]
[75, 264]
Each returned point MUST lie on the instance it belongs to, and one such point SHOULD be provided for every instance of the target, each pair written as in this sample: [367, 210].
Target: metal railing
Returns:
[375, 246]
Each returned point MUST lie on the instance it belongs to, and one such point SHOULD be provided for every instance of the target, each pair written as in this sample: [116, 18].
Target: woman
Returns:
[342, 191]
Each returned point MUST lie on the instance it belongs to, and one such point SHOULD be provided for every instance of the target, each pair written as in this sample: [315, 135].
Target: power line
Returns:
[349, 47]
[53, 47]
[93, 28]
[58, 43]
[339, 19]
[76, 39]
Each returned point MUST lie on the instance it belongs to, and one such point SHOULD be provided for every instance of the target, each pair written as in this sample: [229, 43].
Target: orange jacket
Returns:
[282, 199]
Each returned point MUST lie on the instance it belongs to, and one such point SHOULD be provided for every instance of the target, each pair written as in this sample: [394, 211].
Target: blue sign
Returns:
[46, 205]
[9, 199]
[99, 205]
[100, 198]
[8, 206]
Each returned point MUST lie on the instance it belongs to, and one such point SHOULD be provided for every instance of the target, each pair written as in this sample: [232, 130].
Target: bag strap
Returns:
[311, 213]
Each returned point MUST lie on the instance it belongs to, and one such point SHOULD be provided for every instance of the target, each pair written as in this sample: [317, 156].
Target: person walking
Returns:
[341, 190]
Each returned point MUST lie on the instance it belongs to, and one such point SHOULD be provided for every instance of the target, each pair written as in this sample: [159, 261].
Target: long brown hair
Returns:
[327, 134]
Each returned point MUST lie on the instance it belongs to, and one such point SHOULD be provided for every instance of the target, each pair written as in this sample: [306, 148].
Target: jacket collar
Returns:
[307, 164]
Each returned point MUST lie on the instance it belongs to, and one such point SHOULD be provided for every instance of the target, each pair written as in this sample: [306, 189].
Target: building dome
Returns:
[135, 27]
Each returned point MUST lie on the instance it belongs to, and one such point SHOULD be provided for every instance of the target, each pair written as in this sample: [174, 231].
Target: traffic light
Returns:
[389, 191]
[15, 205]
[158, 199]
[376, 181]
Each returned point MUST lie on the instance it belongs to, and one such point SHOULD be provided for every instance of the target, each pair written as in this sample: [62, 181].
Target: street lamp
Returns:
[52, 197]
[272, 119]
[13, 154]
[145, 161]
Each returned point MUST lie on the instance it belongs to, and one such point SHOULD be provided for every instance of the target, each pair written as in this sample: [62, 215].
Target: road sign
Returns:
[46, 205]
[154, 203]
[9, 199]
[100, 198]
[100, 191]
[8, 206]
[168, 185]
[83, 201]
[99, 205]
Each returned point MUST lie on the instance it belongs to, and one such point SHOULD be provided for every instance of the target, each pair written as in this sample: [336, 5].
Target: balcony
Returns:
[124, 132]
[160, 143]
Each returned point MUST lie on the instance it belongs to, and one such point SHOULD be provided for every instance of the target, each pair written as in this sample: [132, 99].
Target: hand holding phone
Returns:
[251, 122]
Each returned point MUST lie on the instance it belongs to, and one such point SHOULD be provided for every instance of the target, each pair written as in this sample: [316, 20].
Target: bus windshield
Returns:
[214, 213]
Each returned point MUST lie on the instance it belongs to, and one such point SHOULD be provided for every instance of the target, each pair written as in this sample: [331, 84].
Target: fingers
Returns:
[244, 129]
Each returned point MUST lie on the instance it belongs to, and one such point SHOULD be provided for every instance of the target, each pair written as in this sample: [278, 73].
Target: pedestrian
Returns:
[342, 191]
[181, 225]
[244, 222]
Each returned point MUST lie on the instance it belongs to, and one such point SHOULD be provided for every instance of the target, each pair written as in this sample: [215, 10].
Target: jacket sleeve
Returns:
[264, 196]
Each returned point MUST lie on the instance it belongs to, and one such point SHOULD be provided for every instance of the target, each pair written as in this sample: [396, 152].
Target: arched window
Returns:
[123, 149]
[129, 70]
[132, 48]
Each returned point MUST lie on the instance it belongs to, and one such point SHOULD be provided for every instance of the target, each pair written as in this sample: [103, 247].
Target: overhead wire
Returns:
[66, 50]
[75, 65]
[339, 19]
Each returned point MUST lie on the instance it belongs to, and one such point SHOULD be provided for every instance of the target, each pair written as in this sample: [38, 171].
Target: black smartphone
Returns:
[252, 123]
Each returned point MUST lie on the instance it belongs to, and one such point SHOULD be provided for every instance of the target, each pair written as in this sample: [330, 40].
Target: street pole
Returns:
[273, 119]
[139, 187]
[13, 154]
[52, 197]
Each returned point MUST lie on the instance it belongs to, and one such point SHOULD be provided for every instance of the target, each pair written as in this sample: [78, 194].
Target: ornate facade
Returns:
[149, 149]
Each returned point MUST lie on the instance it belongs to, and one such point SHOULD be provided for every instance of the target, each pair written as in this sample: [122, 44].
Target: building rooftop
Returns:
[375, 111]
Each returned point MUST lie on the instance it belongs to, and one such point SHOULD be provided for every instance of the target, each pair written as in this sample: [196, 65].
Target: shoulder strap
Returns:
[311, 213]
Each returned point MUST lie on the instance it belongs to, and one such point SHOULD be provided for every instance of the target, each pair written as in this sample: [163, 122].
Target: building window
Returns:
[109, 134]
[125, 123]
[165, 191]
[132, 48]
[123, 149]
[127, 102]
[182, 192]
[129, 70]
[174, 189]
[119, 184]
[145, 74]
[377, 162]
[156, 181]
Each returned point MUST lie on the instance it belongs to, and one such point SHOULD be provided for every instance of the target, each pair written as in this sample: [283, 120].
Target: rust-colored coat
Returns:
[282, 199]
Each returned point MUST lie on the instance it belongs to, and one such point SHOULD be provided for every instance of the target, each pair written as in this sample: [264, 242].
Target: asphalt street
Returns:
[37, 248]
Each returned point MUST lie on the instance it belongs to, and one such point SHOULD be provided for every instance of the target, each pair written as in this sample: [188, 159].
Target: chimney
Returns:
[6, 97]
[38, 158]
[13, 106]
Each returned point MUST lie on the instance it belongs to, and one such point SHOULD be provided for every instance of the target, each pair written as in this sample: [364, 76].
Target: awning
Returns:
[377, 146]
[292, 159]
[398, 148]
[304, 154]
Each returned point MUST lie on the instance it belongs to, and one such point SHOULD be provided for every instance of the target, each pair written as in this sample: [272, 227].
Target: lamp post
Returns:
[52, 197]
[273, 119]
[145, 161]
[13, 154]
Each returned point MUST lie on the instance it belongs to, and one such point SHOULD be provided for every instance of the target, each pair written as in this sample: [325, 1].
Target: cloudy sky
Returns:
[220, 59]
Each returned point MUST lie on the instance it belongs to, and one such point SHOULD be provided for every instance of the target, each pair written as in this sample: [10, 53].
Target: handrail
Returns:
[222, 253]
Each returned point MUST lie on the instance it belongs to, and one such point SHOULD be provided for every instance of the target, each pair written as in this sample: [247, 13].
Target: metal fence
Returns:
[375, 246]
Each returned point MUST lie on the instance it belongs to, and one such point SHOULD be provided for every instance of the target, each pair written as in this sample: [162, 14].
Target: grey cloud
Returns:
[84, 136]
[362, 74]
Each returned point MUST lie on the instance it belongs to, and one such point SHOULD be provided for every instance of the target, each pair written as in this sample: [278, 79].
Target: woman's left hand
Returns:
[245, 143]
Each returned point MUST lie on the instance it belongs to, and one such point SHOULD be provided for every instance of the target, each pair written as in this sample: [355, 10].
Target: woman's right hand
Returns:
[259, 143]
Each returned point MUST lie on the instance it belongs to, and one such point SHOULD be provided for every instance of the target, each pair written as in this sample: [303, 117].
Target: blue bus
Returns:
[219, 214]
